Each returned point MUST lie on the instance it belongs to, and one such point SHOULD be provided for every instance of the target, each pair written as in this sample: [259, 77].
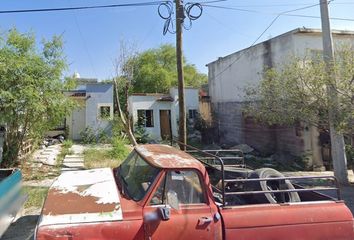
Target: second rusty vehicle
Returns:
[160, 192]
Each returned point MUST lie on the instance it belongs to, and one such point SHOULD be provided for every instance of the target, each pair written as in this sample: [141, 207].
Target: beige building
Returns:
[229, 75]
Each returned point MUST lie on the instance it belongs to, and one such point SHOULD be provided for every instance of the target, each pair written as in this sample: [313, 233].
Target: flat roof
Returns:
[294, 31]
[165, 156]
[150, 94]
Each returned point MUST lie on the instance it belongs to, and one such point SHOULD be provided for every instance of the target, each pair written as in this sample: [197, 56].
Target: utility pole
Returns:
[337, 140]
[182, 110]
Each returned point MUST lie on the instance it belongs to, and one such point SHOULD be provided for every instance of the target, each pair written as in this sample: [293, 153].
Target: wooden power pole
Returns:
[182, 110]
[337, 139]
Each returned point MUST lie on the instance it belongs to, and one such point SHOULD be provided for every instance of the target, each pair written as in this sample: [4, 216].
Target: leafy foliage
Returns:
[140, 134]
[349, 149]
[154, 70]
[68, 143]
[107, 157]
[297, 91]
[31, 98]
[90, 136]
[119, 150]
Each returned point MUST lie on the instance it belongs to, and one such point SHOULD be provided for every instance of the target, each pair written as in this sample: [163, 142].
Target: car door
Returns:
[190, 219]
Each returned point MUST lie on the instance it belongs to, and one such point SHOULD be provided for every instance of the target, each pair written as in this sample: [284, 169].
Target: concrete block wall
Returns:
[228, 119]
[234, 128]
[261, 137]
[287, 140]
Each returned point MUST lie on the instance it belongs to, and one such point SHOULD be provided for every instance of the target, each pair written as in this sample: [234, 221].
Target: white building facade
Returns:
[159, 113]
[94, 110]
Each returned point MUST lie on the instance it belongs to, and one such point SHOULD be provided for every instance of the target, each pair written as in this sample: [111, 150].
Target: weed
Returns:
[67, 144]
[110, 157]
[36, 196]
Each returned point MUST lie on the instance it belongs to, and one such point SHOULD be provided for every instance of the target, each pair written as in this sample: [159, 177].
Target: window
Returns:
[105, 112]
[185, 184]
[192, 113]
[146, 118]
[136, 176]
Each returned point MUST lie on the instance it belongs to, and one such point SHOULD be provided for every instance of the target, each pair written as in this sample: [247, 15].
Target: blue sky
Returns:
[92, 36]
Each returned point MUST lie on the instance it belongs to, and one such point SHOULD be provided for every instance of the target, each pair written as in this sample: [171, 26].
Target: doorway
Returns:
[165, 124]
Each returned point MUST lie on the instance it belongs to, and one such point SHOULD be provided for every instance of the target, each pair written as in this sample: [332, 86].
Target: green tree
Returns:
[297, 92]
[31, 98]
[154, 70]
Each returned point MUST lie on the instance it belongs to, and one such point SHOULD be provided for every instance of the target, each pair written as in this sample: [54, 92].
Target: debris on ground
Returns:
[244, 148]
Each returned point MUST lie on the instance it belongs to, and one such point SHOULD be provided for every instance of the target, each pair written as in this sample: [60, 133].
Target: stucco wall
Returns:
[191, 98]
[228, 76]
[98, 95]
[150, 102]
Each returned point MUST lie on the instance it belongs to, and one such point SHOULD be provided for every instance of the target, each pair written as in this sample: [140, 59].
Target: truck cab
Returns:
[160, 192]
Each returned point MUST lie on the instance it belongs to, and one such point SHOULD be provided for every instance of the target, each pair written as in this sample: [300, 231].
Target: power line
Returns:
[138, 4]
[85, 45]
[264, 31]
[286, 13]
[278, 5]
[232, 29]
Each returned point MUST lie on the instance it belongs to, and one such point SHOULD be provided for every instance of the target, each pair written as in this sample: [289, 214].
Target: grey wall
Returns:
[98, 94]
[229, 122]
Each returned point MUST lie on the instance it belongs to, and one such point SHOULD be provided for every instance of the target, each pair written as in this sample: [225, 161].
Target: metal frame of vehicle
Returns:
[210, 156]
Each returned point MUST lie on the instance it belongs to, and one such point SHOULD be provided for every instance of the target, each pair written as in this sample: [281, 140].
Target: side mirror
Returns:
[165, 213]
[172, 199]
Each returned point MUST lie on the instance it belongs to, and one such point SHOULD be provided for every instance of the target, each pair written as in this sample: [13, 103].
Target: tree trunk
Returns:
[124, 119]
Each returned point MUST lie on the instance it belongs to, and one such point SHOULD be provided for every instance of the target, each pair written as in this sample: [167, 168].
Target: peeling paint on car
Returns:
[82, 196]
[165, 156]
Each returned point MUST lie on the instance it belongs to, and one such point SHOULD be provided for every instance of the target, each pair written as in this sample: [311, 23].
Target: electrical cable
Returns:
[264, 31]
[188, 13]
[84, 42]
[286, 13]
[138, 4]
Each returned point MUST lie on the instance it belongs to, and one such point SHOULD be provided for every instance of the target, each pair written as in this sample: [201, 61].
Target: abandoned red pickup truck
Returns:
[160, 192]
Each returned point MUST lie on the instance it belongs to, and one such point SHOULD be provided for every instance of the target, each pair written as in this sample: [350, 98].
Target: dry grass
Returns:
[36, 196]
[111, 157]
[101, 158]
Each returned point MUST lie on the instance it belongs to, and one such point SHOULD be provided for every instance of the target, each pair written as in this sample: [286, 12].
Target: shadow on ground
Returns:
[22, 229]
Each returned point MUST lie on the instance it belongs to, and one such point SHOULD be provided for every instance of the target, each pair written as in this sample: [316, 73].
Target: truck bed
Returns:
[318, 220]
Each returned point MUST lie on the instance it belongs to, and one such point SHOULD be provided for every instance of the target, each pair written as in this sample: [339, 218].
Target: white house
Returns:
[229, 75]
[159, 113]
[95, 110]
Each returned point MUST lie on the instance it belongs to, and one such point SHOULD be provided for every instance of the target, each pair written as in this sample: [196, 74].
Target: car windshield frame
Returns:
[137, 176]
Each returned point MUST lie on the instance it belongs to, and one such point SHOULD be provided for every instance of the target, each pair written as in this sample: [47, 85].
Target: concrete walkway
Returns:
[46, 156]
[74, 161]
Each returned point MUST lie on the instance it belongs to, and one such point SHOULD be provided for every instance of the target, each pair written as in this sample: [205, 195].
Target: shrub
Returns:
[140, 134]
[102, 136]
[68, 143]
[88, 136]
[119, 150]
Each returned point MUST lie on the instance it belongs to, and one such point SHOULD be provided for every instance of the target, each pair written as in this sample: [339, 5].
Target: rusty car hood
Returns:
[82, 196]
